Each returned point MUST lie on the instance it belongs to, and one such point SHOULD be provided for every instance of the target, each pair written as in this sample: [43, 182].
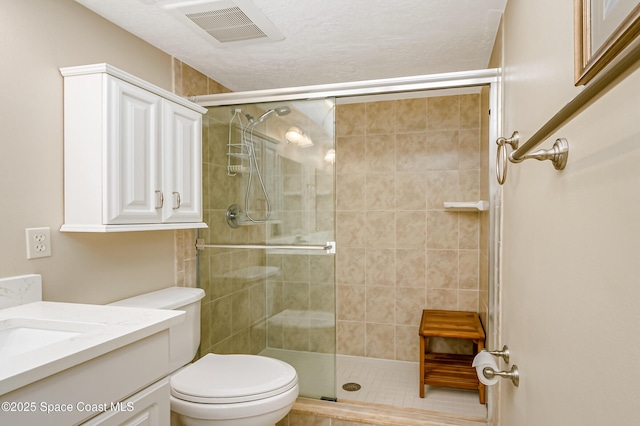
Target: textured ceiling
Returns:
[326, 41]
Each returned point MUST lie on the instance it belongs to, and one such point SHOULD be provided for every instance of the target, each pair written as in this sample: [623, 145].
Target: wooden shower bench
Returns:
[450, 370]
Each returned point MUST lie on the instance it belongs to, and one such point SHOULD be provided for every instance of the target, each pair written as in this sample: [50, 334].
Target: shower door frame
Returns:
[491, 78]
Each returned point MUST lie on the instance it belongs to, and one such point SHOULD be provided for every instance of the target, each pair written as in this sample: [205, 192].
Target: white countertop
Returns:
[107, 328]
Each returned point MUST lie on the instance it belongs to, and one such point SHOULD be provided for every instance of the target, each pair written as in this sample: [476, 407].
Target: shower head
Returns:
[283, 110]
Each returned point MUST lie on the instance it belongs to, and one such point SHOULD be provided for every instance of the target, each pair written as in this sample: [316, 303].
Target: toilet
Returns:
[229, 390]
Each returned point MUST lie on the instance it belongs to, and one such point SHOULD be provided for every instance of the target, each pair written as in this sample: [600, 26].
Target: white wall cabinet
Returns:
[132, 154]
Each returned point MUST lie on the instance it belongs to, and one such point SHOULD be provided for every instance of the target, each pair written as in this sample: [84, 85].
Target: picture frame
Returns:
[603, 28]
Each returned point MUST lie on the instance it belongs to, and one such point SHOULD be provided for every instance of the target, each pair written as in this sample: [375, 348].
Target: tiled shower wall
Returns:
[189, 82]
[233, 313]
[399, 251]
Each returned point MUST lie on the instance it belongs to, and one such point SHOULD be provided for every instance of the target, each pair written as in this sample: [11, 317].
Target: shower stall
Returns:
[267, 259]
[327, 228]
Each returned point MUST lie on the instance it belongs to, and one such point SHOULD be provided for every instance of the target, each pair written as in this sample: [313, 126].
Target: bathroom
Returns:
[99, 269]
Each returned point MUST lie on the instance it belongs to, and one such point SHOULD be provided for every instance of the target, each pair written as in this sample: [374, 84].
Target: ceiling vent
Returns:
[226, 22]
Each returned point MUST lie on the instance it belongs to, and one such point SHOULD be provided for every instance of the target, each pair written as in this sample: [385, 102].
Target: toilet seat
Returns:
[226, 379]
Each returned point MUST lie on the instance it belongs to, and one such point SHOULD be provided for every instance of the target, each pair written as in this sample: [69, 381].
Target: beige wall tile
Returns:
[407, 343]
[409, 305]
[350, 338]
[443, 113]
[380, 192]
[406, 169]
[351, 228]
[380, 267]
[442, 299]
[411, 268]
[350, 303]
[381, 117]
[411, 229]
[442, 147]
[351, 267]
[381, 229]
[411, 115]
[468, 300]
[380, 153]
[412, 152]
[442, 269]
[378, 338]
[469, 149]
[380, 303]
[350, 191]
[470, 111]
[350, 119]
[468, 261]
[442, 230]
[351, 152]
[469, 232]
[411, 191]
[442, 186]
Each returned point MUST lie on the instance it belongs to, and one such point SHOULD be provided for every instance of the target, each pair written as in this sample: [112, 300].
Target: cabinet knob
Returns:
[159, 199]
[176, 204]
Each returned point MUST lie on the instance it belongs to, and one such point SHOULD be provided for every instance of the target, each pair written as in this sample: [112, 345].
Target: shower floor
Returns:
[383, 382]
[396, 383]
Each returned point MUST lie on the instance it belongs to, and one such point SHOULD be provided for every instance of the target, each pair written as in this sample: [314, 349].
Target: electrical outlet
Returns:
[38, 242]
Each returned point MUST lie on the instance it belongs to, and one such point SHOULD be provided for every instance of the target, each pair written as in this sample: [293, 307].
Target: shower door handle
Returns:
[330, 247]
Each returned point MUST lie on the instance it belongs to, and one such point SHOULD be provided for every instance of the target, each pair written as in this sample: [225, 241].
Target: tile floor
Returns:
[383, 382]
[396, 383]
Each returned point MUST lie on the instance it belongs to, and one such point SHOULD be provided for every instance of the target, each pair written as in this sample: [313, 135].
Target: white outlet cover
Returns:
[38, 242]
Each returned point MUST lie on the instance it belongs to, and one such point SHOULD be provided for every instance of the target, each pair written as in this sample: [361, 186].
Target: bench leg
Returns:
[421, 359]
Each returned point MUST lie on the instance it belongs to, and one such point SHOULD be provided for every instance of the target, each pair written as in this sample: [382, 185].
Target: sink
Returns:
[22, 335]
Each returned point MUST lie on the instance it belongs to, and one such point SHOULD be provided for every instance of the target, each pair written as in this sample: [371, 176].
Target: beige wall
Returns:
[572, 238]
[399, 251]
[36, 38]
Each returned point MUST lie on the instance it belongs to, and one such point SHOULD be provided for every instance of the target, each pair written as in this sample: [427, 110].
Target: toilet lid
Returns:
[224, 379]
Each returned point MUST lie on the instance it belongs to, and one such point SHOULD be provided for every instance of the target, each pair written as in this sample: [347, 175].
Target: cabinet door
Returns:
[182, 168]
[149, 407]
[131, 174]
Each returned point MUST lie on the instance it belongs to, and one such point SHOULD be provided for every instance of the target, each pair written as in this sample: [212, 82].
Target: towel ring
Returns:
[502, 158]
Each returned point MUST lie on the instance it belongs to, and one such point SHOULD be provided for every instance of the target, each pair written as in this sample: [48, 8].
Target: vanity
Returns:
[68, 364]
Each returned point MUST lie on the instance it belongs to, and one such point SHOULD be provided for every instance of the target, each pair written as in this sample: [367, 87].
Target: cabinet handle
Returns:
[177, 198]
[161, 198]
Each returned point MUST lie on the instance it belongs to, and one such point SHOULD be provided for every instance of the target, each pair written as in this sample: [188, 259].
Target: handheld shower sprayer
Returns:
[247, 137]
[280, 111]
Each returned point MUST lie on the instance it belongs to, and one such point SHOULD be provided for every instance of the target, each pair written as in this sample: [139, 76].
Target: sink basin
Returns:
[21, 335]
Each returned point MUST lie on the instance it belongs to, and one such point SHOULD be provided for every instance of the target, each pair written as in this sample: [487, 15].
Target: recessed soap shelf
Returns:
[466, 206]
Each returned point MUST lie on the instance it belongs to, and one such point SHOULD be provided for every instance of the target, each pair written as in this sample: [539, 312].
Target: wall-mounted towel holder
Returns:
[558, 154]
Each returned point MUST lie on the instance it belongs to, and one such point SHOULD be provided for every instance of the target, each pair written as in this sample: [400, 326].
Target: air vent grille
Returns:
[227, 20]
[227, 24]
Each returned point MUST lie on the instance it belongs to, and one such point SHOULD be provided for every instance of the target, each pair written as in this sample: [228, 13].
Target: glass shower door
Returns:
[270, 184]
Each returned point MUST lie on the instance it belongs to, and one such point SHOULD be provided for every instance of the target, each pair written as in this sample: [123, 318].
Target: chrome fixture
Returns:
[512, 374]
[247, 150]
[504, 353]
[329, 247]
[232, 215]
[280, 111]
[501, 156]
[558, 155]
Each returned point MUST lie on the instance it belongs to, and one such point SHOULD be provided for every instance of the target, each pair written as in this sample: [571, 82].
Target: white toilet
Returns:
[229, 390]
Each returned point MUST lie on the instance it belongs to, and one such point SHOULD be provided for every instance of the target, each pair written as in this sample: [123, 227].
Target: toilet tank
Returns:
[184, 337]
